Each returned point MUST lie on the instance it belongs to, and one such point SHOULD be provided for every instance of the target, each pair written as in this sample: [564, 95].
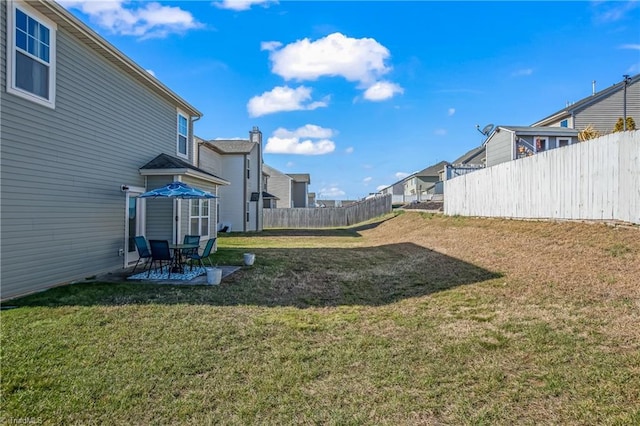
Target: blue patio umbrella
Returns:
[177, 190]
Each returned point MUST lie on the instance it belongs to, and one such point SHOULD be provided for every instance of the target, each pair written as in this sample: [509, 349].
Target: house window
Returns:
[32, 55]
[564, 123]
[248, 169]
[248, 207]
[542, 144]
[199, 218]
[564, 142]
[183, 134]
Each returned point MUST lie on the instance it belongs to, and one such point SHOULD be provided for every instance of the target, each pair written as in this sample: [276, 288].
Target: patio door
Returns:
[134, 223]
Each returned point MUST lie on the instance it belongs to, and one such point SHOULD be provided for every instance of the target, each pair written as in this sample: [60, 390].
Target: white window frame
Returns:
[542, 138]
[178, 134]
[200, 216]
[569, 141]
[12, 48]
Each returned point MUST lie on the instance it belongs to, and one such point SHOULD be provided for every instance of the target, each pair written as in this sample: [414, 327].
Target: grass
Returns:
[410, 319]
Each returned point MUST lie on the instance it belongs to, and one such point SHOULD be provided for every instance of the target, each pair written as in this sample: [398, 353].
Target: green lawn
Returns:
[411, 319]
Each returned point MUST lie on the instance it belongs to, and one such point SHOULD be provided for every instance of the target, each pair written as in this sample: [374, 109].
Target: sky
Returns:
[361, 94]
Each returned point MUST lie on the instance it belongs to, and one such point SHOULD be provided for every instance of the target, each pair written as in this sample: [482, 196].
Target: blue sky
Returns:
[360, 94]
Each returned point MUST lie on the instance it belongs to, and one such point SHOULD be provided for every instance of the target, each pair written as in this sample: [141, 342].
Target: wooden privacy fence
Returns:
[594, 180]
[328, 217]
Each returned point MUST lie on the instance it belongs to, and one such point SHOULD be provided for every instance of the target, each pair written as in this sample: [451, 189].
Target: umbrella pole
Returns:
[175, 204]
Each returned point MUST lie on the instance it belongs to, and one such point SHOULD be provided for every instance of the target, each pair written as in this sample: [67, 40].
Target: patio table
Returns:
[178, 264]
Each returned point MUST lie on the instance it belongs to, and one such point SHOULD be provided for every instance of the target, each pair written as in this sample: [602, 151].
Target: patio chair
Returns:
[160, 252]
[205, 254]
[143, 250]
[190, 239]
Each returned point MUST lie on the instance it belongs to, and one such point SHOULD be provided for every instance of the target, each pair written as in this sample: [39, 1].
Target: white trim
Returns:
[542, 138]
[184, 172]
[184, 115]
[11, 54]
[130, 258]
[558, 139]
[200, 217]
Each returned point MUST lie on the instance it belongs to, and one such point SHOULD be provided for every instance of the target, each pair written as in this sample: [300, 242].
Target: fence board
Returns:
[328, 217]
[594, 180]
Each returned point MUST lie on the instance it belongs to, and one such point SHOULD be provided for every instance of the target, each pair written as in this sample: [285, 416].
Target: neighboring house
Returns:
[396, 191]
[291, 190]
[470, 161]
[312, 200]
[506, 143]
[423, 182]
[601, 110]
[300, 189]
[84, 131]
[240, 162]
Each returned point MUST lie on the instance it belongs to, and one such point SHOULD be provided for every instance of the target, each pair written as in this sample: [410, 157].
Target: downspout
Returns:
[244, 204]
[195, 152]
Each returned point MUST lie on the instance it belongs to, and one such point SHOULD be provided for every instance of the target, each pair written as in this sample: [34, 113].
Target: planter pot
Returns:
[214, 276]
[249, 258]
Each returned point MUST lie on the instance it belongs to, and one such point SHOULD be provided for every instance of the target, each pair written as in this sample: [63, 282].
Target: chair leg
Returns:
[134, 268]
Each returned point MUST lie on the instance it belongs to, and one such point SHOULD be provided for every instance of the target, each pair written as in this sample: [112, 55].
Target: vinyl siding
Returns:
[280, 186]
[604, 114]
[62, 208]
[499, 148]
[232, 197]
[185, 214]
[299, 192]
[159, 212]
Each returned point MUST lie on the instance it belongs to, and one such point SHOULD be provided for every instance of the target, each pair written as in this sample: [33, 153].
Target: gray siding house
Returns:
[468, 162]
[290, 190]
[240, 162]
[84, 131]
[506, 143]
[601, 110]
[423, 182]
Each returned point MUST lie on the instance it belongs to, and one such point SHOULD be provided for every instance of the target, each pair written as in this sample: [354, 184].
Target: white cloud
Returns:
[148, 20]
[367, 180]
[349, 150]
[522, 72]
[306, 131]
[240, 5]
[440, 132]
[331, 192]
[283, 98]
[151, 72]
[270, 45]
[451, 111]
[612, 11]
[382, 90]
[630, 46]
[401, 175]
[290, 164]
[359, 60]
[381, 187]
[301, 141]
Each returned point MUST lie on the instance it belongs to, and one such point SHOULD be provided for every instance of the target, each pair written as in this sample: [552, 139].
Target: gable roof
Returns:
[473, 156]
[300, 177]
[583, 103]
[65, 20]
[232, 146]
[432, 171]
[164, 165]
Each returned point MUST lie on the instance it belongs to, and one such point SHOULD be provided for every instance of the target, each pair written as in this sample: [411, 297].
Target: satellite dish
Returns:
[487, 129]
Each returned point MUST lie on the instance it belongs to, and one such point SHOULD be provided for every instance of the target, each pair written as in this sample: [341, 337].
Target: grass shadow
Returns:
[300, 277]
